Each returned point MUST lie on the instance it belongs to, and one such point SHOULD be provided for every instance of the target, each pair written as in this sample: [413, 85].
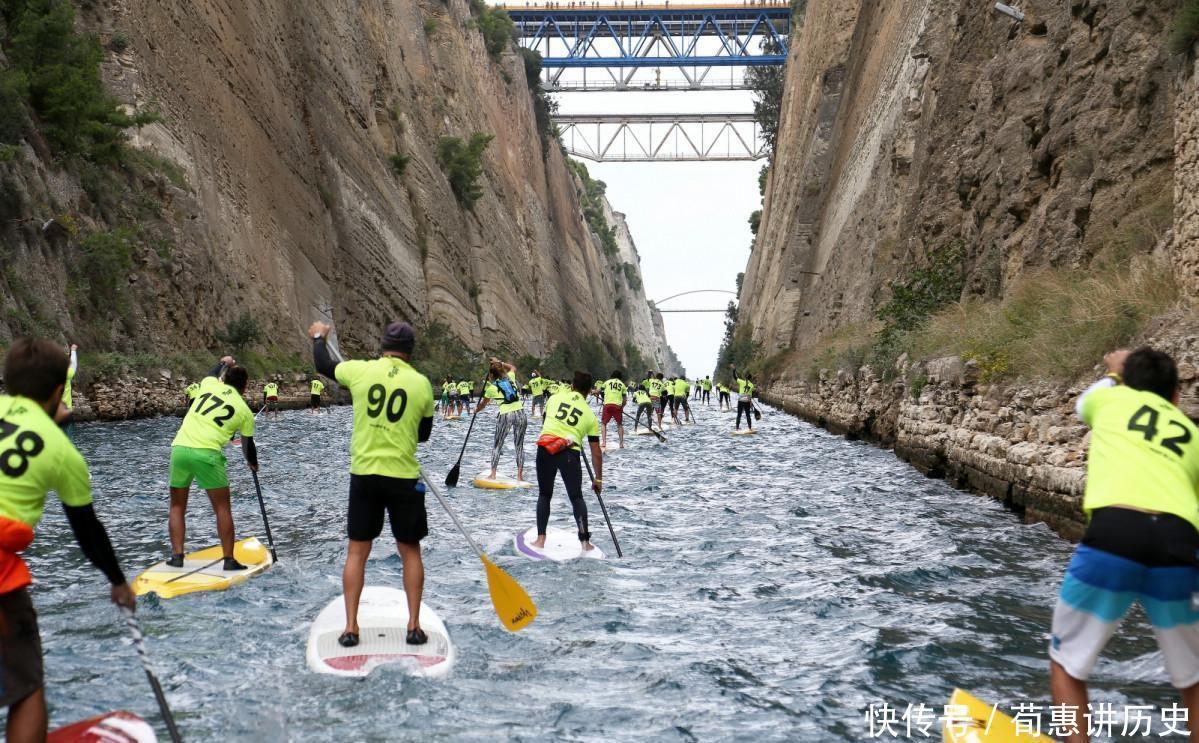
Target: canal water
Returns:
[773, 588]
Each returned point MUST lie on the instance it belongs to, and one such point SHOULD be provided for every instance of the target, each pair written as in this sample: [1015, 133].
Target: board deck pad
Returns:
[383, 630]
[560, 545]
[202, 571]
[500, 482]
[114, 727]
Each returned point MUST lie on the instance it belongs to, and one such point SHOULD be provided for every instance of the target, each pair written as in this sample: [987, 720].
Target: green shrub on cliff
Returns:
[463, 164]
[439, 354]
[591, 198]
[544, 107]
[914, 299]
[241, 332]
[497, 28]
[1186, 27]
[56, 73]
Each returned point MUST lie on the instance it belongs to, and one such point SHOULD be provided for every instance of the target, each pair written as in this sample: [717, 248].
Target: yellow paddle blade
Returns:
[512, 605]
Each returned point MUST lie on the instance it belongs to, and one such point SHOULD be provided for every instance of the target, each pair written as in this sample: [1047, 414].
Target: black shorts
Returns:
[371, 495]
[663, 401]
[316, 401]
[1151, 539]
[20, 648]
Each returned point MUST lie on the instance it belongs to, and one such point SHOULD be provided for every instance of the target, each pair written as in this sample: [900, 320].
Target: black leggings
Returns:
[747, 406]
[570, 465]
[648, 409]
[707, 397]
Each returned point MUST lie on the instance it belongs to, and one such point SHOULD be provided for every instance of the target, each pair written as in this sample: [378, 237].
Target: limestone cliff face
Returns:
[908, 125]
[639, 320]
[284, 117]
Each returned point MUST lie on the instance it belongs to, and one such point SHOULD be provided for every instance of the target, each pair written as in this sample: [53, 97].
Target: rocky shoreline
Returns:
[1019, 444]
[148, 397]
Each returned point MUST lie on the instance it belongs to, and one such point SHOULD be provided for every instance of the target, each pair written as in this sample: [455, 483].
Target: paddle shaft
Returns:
[649, 425]
[266, 524]
[603, 508]
[139, 642]
[453, 516]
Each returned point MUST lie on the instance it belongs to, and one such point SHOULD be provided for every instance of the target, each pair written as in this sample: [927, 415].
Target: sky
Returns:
[689, 220]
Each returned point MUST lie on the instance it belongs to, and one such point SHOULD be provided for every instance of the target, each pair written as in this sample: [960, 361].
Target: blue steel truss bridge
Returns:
[614, 42]
[630, 45]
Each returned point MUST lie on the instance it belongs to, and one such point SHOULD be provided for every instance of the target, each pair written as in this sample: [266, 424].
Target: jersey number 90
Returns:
[379, 402]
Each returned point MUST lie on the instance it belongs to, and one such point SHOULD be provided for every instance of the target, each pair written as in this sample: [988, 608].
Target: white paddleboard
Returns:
[114, 727]
[643, 432]
[499, 482]
[745, 432]
[383, 629]
[560, 545]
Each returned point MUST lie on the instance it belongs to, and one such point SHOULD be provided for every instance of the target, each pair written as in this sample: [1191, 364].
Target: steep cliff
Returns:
[963, 211]
[640, 319]
[909, 125]
[309, 184]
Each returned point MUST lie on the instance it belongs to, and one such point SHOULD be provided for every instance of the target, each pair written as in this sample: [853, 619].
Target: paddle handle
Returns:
[603, 508]
[139, 642]
[453, 516]
[270, 540]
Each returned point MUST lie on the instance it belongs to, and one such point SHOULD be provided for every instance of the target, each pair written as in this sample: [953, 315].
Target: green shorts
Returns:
[205, 466]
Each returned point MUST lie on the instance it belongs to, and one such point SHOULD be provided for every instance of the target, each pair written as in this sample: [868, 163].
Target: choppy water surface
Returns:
[772, 588]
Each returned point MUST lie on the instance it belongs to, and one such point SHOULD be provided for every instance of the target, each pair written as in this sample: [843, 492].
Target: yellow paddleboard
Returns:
[745, 432]
[202, 571]
[501, 482]
[986, 725]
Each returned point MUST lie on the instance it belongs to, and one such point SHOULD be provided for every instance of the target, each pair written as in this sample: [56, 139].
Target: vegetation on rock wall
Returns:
[592, 198]
[498, 30]
[463, 165]
[53, 84]
[544, 107]
[1186, 27]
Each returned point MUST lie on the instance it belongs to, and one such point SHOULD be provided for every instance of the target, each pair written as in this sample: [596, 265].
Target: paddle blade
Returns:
[512, 605]
[451, 478]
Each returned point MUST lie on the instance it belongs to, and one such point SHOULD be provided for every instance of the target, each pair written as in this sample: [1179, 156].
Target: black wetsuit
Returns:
[569, 464]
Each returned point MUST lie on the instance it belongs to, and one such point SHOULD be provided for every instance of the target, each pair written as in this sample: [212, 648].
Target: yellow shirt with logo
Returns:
[317, 386]
[464, 388]
[614, 392]
[641, 397]
[539, 385]
[270, 389]
[35, 458]
[217, 412]
[567, 415]
[390, 400]
[1144, 453]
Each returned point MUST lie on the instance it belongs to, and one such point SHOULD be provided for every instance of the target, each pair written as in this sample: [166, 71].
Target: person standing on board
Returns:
[665, 395]
[316, 388]
[568, 420]
[644, 405]
[538, 386]
[464, 393]
[64, 416]
[393, 412]
[707, 385]
[1142, 538]
[37, 457]
[512, 414]
[745, 397]
[682, 393]
[197, 455]
[270, 394]
[616, 394]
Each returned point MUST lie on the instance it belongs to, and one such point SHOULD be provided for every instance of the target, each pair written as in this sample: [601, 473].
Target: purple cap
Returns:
[399, 336]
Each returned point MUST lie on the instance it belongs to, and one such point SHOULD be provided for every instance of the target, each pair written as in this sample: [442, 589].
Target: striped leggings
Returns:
[518, 422]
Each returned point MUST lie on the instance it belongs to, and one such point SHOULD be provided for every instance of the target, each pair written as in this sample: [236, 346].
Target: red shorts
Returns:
[611, 410]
